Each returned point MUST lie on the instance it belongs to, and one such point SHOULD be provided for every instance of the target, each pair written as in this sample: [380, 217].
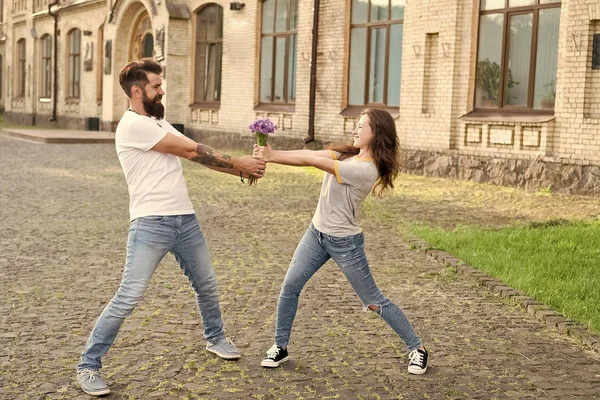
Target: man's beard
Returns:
[153, 106]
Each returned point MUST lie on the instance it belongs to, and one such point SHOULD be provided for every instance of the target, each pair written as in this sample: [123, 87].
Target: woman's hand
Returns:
[263, 153]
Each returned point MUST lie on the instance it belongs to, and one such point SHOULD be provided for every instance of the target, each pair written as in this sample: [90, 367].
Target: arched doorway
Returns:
[141, 44]
[131, 42]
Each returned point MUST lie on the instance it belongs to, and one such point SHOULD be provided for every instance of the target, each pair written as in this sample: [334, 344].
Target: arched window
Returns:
[517, 54]
[209, 50]
[376, 30]
[74, 66]
[46, 70]
[278, 47]
[142, 41]
[20, 74]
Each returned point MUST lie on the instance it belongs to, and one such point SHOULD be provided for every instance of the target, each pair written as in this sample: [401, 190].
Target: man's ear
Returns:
[136, 91]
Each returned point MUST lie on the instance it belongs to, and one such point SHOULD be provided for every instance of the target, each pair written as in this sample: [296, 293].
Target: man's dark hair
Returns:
[134, 74]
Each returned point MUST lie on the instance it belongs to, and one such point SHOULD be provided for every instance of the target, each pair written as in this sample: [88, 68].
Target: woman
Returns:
[369, 164]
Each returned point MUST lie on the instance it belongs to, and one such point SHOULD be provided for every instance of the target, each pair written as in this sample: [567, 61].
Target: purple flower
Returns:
[264, 126]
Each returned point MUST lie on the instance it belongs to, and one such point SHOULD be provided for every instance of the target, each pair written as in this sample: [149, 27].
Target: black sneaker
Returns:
[418, 361]
[275, 357]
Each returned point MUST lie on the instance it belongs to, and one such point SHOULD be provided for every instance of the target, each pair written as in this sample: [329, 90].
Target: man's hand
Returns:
[250, 166]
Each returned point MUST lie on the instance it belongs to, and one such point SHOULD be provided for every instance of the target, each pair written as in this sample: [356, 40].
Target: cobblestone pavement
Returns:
[63, 232]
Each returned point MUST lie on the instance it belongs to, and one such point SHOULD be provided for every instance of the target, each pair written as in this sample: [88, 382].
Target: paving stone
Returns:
[63, 247]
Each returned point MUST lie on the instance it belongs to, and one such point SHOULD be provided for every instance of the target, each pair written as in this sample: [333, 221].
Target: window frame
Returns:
[46, 76]
[204, 103]
[286, 104]
[508, 13]
[370, 26]
[73, 60]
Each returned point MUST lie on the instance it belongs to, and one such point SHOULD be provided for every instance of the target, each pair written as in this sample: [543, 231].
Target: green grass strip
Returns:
[557, 264]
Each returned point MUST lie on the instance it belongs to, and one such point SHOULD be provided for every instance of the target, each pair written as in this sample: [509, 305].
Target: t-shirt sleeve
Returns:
[353, 173]
[144, 134]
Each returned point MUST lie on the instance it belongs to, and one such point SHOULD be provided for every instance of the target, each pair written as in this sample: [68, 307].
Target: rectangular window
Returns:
[21, 62]
[517, 55]
[376, 33]
[74, 74]
[46, 67]
[278, 51]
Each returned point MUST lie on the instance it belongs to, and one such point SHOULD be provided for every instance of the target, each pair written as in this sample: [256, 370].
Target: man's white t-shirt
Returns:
[155, 180]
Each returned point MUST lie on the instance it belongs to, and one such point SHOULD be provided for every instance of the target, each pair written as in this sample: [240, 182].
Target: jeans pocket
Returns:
[341, 241]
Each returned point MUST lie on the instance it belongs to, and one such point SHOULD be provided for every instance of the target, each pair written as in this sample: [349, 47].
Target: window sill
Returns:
[355, 111]
[494, 116]
[45, 99]
[205, 106]
[72, 100]
[286, 108]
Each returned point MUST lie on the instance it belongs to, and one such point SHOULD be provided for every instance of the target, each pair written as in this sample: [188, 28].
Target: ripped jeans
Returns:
[314, 250]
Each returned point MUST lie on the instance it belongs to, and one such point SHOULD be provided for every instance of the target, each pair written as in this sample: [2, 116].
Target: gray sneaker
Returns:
[91, 383]
[224, 348]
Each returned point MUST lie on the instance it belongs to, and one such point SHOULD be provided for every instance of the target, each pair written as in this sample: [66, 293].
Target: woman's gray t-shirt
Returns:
[342, 193]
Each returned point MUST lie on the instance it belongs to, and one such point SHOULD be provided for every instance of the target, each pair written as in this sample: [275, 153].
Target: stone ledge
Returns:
[533, 307]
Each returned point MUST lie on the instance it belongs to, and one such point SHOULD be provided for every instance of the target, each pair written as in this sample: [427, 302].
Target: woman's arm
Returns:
[323, 160]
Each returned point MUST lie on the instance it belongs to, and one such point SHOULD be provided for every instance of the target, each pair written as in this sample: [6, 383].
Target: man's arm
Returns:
[185, 147]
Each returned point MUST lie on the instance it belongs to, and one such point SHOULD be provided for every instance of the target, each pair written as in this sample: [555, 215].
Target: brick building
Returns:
[501, 91]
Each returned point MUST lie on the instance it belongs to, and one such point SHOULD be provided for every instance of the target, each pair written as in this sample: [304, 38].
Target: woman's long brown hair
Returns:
[384, 149]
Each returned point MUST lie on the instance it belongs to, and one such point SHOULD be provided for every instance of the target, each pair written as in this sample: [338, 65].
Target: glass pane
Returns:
[77, 77]
[546, 59]
[377, 65]
[76, 41]
[266, 61]
[520, 3]
[488, 61]
[148, 45]
[201, 24]
[358, 55]
[281, 17]
[360, 10]
[292, 68]
[379, 10]
[200, 75]
[293, 15]
[214, 72]
[492, 4]
[219, 22]
[395, 65]
[268, 17]
[212, 23]
[398, 9]
[71, 75]
[519, 56]
[280, 68]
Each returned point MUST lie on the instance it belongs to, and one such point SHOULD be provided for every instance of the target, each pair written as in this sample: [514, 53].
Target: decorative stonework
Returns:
[473, 133]
[532, 137]
[532, 174]
[501, 135]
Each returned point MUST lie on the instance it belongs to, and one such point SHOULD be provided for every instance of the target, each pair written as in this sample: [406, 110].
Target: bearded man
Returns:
[162, 218]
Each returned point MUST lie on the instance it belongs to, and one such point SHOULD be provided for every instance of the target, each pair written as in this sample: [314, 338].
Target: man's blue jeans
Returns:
[150, 238]
[314, 250]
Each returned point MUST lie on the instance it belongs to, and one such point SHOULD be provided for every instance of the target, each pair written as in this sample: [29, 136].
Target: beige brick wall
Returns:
[438, 68]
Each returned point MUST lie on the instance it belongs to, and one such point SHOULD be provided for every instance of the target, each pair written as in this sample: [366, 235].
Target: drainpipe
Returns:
[55, 83]
[313, 75]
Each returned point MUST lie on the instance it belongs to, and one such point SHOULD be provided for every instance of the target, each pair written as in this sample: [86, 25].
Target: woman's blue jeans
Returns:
[314, 250]
[150, 239]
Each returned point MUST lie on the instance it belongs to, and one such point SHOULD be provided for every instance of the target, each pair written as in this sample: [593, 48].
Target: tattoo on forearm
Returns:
[207, 156]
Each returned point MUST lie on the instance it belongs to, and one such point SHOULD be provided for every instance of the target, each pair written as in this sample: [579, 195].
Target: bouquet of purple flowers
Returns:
[262, 128]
